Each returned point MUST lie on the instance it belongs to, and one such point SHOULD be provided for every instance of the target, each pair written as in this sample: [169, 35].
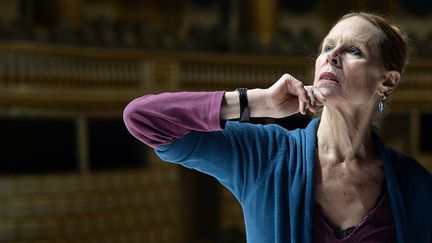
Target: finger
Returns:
[302, 93]
[296, 87]
[319, 95]
[302, 107]
[318, 105]
[312, 108]
[319, 99]
[311, 96]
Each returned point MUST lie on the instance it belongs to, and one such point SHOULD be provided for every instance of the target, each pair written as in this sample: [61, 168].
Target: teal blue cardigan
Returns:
[270, 170]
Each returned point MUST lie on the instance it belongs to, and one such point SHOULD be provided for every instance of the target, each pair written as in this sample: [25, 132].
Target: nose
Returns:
[333, 58]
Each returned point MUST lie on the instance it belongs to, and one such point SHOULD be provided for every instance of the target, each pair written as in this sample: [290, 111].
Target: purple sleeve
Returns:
[160, 119]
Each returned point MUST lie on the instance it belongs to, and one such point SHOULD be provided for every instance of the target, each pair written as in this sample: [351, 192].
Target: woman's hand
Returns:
[286, 97]
[289, 96]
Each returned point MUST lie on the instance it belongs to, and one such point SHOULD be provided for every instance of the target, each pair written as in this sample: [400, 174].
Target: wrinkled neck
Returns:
[345, 135]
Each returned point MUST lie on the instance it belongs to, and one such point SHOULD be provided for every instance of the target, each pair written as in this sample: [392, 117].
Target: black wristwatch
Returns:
[244, 105]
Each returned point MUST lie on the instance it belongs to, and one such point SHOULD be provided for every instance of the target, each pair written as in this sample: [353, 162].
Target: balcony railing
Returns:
[41, 74]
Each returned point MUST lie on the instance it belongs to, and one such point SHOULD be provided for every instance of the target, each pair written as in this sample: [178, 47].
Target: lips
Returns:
[327, 76]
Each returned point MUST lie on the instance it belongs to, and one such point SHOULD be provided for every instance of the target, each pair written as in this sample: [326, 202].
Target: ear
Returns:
[392, 79]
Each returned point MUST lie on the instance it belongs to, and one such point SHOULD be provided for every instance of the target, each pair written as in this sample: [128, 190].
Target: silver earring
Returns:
[381, 104]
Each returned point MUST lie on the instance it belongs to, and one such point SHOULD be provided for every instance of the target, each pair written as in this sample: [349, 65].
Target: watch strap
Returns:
[244, 105]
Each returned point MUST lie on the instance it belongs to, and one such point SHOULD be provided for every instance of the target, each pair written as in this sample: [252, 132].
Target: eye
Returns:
[354, 51]
[327, 48]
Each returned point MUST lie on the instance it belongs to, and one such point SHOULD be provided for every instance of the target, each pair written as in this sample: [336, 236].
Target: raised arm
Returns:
[160, 119]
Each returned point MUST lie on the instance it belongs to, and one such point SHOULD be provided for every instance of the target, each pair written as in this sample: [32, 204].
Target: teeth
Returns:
[329, 78]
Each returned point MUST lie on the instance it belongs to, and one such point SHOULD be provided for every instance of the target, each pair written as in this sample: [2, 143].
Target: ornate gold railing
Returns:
[61, 75]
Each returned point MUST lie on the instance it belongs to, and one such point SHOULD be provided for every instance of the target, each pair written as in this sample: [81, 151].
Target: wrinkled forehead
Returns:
[354, 28]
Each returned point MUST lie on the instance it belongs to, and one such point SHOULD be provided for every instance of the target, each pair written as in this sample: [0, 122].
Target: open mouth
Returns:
[330, 77]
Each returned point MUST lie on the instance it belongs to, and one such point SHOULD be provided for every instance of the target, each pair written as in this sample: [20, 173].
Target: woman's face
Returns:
[349, 68]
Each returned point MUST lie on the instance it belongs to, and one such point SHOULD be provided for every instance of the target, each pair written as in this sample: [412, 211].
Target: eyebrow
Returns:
[359, 42]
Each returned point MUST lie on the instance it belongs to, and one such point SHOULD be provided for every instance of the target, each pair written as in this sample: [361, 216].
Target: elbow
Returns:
[137, 119]
[130, 115]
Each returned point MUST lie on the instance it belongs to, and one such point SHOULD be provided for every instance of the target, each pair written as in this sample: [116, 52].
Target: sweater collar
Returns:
[395, 197]
[396, 202]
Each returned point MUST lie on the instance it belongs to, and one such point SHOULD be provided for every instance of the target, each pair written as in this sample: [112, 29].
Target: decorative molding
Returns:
[45, 75]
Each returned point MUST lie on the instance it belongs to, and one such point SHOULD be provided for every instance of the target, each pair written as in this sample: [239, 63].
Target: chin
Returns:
[328, 90]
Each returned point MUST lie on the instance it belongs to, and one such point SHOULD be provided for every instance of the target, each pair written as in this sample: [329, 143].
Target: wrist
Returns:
[230, 106]
[258, 103]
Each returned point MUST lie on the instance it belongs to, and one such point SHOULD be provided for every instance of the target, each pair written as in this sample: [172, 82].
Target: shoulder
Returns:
[409, 169]
[415, 185]
[272, 136]
[260, 131]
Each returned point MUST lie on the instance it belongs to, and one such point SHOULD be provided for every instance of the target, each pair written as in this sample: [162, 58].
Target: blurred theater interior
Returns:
[70, 171]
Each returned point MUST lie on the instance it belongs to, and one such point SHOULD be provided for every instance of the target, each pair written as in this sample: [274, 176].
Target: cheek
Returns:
[320, 61]
[372, 81]
[318, 64]
[361, 79]
[357, 79]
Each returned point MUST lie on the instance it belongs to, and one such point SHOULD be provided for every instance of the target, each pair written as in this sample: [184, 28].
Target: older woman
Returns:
[333, 181]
